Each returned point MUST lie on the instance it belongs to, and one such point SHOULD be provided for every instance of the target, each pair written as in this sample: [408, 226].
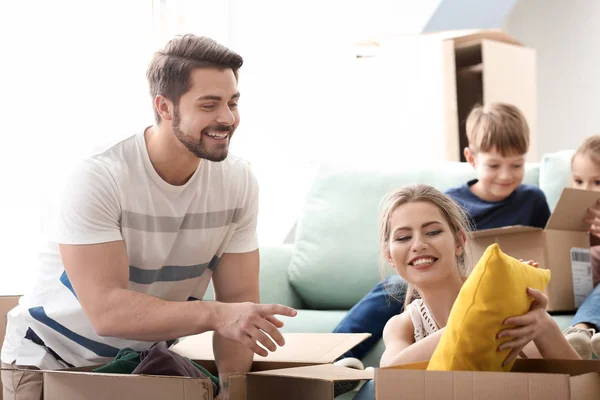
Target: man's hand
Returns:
[593, 217]
[528, 327]
[250, 323]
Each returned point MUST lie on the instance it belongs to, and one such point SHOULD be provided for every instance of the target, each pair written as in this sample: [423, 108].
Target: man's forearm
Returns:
[136, 316]
[232, 358]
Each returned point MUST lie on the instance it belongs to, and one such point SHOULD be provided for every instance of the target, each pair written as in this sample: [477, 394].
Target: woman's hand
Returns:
[528, 327]
[531, 262]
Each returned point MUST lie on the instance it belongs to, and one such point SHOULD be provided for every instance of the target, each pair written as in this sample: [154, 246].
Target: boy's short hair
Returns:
[498, 126]
[591, 148]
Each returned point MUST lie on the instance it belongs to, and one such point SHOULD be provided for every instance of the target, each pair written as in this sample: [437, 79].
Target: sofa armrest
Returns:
[274, 283]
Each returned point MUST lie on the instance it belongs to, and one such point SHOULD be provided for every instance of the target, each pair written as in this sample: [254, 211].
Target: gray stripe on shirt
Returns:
[152, 223]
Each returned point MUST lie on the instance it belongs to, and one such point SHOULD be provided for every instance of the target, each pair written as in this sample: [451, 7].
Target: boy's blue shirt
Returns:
[525, 206]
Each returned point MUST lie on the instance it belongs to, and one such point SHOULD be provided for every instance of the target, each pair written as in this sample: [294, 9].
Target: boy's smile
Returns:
[498, 175]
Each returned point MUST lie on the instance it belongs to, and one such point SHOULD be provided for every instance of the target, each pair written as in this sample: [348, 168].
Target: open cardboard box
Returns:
[275, 376]
[530, 379]
[551, 247]
[80, 383]
[302, 369]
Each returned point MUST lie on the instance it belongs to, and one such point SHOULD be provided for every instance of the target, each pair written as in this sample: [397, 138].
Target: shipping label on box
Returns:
[581, 266]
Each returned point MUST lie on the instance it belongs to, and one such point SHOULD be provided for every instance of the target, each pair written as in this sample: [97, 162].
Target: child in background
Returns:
[584, 333]
[423, 234]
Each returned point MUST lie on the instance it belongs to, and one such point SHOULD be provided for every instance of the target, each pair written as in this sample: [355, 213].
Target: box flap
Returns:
[314, 348]
[260, 387]
[570, 211]
[328, 372]
[507, 230]
[586, 386]
[469, 37]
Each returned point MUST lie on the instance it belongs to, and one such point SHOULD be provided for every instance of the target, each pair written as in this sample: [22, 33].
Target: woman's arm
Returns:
[551, 343]
[400, 346]
[536, 333]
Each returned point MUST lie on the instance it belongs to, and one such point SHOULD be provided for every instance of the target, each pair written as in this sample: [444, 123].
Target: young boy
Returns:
[498, 137]
[584, 333]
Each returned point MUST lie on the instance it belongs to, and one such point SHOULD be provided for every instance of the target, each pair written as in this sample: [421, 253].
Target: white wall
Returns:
[566, 36]
[305, 98]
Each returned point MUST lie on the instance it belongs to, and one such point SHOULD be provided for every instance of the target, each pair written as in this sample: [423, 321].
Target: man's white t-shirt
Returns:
[174, 237]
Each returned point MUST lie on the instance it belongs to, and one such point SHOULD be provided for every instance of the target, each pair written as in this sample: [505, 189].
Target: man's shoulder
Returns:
[106, 168]
[108, 157]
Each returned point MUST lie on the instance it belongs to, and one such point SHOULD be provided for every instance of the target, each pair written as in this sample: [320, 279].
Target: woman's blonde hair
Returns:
[590, 148]
[454, 215]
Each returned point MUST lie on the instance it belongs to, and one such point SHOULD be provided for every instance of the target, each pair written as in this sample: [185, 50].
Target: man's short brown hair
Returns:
[169, 71]
[498, 127]
[590, 148]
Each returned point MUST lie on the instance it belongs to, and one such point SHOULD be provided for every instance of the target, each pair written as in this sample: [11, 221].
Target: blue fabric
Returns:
[371, 314]
[366, 392]
[65, 281]
[589, 312]
[525, 206]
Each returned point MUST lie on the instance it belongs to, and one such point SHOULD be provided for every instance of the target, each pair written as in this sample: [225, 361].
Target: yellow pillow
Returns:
[495, 290]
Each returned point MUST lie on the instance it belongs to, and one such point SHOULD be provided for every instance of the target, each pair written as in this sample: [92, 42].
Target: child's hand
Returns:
[531, 262]
[528, 327]
[593, 217]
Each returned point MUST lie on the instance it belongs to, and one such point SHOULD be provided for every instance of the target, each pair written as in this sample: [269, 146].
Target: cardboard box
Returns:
[301, 350]
[530, 379]
[303, 383]
[551, 247]
[82, 384]
[302, 369]
[7, 303]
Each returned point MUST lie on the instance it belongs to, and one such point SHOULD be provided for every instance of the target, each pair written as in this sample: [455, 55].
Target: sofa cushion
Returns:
[335, 258]
[495, 290]
[555, 174]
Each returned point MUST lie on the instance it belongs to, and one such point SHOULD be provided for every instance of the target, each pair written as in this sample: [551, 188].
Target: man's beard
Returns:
[196, 147]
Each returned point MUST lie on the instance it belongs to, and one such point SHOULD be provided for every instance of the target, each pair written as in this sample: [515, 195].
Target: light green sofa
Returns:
[334, 260]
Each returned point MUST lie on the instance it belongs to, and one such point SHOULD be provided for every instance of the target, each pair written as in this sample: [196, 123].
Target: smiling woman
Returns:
[422, 234]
